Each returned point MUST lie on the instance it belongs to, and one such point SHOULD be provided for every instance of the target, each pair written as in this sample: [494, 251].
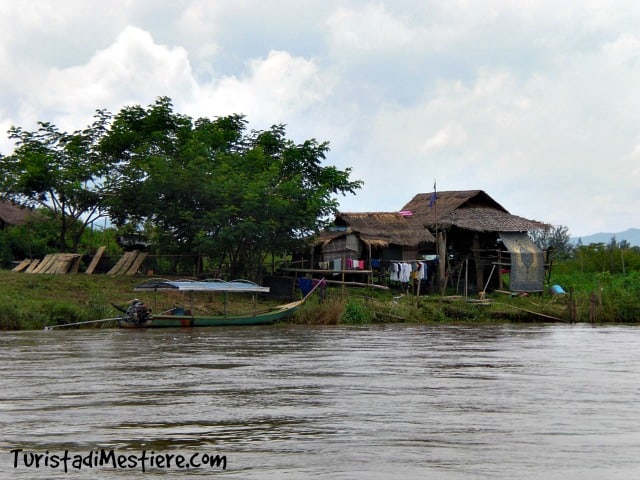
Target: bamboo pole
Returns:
[51, 327]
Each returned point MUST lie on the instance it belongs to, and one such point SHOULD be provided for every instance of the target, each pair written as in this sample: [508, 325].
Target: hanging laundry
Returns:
[394, 273]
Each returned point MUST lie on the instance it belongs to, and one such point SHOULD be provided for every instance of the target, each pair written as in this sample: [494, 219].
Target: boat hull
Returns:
[191, 321]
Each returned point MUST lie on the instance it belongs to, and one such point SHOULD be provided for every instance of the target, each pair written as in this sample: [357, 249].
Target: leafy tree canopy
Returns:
[59, 171]
[206, 186]
[214, 187]
[555, 238]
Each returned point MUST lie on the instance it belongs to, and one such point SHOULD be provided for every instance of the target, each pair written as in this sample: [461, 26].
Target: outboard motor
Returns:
[138, 312]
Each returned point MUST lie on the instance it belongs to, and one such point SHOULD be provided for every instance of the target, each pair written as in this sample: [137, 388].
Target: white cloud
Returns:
[132, 68]
[624, 50]
[449, 135]
[534, 102]
[370, 29]
[273, 90]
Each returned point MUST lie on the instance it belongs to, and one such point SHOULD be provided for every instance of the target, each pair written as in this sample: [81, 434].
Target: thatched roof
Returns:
[380, 229]
[448, 201]
[12, 214]
[468, 209]
[482, 219]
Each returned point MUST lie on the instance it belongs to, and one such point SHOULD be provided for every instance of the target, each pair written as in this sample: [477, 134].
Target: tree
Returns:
[58, 171]
[217, 189]
[555, 238]
[35, 238]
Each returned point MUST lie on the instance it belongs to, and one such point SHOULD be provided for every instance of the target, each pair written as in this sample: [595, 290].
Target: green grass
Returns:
[32, 301]
[612, 298]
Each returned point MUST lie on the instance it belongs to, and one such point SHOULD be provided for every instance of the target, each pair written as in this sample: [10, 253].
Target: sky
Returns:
[535, 102]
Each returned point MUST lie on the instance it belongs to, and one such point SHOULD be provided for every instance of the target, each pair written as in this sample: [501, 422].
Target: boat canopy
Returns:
[240, 286]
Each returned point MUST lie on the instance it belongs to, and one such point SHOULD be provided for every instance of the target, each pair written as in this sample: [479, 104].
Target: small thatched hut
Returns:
[12, 214]
[373, 236]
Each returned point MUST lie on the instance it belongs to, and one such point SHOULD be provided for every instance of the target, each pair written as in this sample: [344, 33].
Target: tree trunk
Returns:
[62, 242]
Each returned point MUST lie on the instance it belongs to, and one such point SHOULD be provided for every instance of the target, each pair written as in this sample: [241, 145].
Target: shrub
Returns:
[355, 312]
[327, 312]
[9, 317]
[59, 313]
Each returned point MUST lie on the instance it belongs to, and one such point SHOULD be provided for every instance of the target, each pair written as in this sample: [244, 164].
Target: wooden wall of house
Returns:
[333, 249]
[353, 244]
[387, 253]
[409, 253]
[395, 253]
[348, 246]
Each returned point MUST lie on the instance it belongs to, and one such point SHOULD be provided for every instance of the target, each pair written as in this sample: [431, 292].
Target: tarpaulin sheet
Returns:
[527, 263]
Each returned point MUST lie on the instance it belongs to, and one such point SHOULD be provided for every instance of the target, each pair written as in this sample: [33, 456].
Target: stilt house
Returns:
[479, 238]
[472, 237]
[358, 245]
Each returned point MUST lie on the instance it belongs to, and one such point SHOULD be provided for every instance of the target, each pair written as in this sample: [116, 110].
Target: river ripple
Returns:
[291, 402]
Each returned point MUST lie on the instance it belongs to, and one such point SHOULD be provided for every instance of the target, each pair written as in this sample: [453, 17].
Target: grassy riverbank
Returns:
[33, 301]
[361, 308]
[30, 301]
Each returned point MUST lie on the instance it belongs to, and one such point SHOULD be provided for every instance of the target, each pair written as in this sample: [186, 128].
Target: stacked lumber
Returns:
[32, 266]
[57, 263]
[129, 263]
[94, 261]
[23, 265]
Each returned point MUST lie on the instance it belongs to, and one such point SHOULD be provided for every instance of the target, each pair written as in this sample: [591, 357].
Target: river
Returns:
[294, 402]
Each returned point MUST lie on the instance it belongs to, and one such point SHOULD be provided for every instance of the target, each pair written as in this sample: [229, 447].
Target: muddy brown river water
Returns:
[294, 402]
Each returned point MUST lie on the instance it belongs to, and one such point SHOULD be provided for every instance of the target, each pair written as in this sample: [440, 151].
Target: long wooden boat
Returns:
[139, 315]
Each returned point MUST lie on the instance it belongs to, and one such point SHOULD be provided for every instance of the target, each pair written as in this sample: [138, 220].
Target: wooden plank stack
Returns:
[56, 263]
[23, 265]
[128, 264]
[94, 261]
[59, 263]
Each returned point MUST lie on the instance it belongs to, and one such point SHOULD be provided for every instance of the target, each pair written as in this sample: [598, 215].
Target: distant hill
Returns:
[631, 235]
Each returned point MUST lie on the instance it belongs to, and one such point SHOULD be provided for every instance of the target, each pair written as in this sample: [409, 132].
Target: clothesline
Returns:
[318, 270]
[405, 271]
[409, 261]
